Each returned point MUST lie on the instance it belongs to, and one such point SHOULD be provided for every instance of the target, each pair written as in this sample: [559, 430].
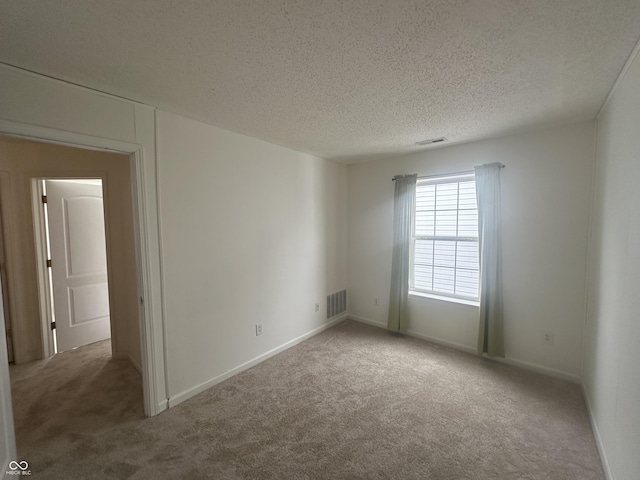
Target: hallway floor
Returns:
[62, 401]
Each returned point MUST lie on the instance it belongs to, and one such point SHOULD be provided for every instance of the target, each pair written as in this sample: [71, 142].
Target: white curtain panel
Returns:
[491, 336]
[404, 206]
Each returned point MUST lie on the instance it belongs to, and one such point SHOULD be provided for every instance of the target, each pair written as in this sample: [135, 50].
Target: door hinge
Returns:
[53, 325]
[44, 199]
[49, 263]
[9, 332]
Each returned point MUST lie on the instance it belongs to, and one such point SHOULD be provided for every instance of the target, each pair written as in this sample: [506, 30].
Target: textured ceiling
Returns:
[350, 79]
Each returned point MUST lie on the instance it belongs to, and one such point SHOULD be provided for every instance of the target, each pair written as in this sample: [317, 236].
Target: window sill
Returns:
[420, 295]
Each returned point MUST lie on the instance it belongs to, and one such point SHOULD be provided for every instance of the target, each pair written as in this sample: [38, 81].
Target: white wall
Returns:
[612, 346]
[545, 195]
[251, 233]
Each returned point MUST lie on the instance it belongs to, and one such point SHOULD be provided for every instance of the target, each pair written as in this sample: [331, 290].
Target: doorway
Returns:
[44, 125]
[74, 265]
[25, 163]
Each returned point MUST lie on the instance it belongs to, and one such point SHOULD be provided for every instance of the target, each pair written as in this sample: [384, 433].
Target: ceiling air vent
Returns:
[432, 141]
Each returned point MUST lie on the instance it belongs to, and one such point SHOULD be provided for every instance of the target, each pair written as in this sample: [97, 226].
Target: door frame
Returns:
[153, 361]
[4, 294]
[44, 285]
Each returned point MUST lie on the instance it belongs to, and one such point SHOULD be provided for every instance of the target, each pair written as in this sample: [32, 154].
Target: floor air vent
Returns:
[336, 303]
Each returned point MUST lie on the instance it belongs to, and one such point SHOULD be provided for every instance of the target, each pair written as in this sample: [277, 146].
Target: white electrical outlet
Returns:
[317, 307]
[258, 329]
[547, 337]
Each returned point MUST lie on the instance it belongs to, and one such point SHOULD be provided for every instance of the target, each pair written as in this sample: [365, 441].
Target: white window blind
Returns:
[445, 237]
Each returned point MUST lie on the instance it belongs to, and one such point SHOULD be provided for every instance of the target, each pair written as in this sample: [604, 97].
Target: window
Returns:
[444, 257]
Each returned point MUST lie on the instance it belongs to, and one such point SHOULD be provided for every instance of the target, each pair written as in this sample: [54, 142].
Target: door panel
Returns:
[89, 303]
[84, 227]
[78, 263]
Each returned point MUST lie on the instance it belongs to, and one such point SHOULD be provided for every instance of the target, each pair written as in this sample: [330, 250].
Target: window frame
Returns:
[444, 296]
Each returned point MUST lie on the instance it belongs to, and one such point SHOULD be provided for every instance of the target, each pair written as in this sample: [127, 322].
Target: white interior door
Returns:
[78, 263]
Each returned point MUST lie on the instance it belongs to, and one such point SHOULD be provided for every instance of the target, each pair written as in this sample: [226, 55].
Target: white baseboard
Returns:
[373, 323]
[162, 406]
[185, 395]
[414, 334]
[128, 356]
[135, 364]
[596, 434]
[440, 341]
[464, 348]
[550, 372]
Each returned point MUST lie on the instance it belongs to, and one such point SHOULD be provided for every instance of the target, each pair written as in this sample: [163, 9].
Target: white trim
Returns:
[596, 434]
[147, 341]
[152, 405]
[551, 372]
[153, 305]
[61, 137]
[163, 301]
[621, 75]
[191, 392]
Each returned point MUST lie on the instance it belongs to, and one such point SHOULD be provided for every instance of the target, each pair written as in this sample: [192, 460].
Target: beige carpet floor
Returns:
[353, 402]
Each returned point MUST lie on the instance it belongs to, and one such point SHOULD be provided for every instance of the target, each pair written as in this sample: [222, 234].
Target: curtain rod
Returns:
[454, 174]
